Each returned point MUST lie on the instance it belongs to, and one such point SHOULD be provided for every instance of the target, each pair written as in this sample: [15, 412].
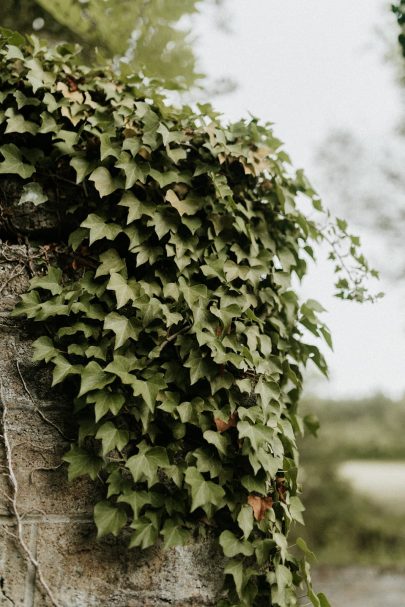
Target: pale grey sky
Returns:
[311, 66]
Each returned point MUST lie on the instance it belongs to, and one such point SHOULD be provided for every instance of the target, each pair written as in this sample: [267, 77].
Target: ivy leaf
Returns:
[13, 162]
[44, 349]
[112, 437]
[296, 509]
[245, 520]
[145, 535]
[16, 123]
[149, 389]
[232, 546]
[123, 327]
[263, 550]
[236, 569]
[283, 577]
[254, 483]
[323, 601]
[136, 208]
[174, 534]
[183, 207]
[111, 263]
[281, 542]
[62, 369]
[28, 305]
[49, 282]
[164, 178]
[93, 377]
[133, 171]
[205, 494]
[33, 193]
[260, 505]
[100, 229]
[82, 166]
[76, 238]
[199, 367]
[302, 545]
[108, 518]
[136, 499]
[216, 439]
[145, 464]
[105, 402]
[124, 291]
[82, 462]
[103, 181]
[257, 434]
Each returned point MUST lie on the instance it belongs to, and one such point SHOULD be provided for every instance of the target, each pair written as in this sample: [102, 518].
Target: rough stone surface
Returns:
[57, 515]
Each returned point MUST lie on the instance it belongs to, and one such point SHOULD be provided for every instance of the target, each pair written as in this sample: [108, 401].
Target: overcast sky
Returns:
[311, 66]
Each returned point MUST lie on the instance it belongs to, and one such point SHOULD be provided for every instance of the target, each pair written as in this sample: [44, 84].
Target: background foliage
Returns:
[343, 525]
[149, 35]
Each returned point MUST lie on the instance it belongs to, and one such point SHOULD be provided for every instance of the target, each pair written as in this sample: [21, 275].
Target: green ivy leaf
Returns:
[82, 166]
[149, 389]
[111, 263]
[33, 193]
[136, 208]
[205, 494]
[29, 305]
[112, 437]
[145, 535]
[93, 377]
[236, 569]
[123, 327]
[220, 441]
[44, 349]
[145, 464]
[82, 462]
[62, 369]
[232, 546]
[245, 520]
[137, 500]
[133, 171]
[103, 181]
[98, 228]
[124, 290]
[108, 518]
[174, 534]
[49, 282]
[302, 545]
[13, 162]
[105, 402]
[257, 433]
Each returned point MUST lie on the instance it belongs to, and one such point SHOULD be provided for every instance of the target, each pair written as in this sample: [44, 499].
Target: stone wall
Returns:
[56, 516]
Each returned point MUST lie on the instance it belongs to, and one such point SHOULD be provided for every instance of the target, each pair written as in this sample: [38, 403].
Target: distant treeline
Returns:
[369, 428]
[344, 527]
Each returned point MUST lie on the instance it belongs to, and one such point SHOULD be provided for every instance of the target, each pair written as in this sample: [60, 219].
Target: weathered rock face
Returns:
[56, 516]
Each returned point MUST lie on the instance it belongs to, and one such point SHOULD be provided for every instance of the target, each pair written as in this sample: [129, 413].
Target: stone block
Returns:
[17, 583]
[37, 449]
[84, 572]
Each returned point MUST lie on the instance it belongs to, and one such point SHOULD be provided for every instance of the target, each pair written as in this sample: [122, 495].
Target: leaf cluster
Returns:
[176, 327]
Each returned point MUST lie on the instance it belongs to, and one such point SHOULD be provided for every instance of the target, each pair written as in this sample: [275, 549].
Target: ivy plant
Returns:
[173, 324]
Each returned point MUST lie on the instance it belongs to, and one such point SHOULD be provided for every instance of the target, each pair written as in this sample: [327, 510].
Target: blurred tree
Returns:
[365, 181]
[148, 35]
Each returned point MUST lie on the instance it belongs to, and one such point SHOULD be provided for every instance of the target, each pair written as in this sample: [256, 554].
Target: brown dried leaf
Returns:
[260, 505]
[223, 426]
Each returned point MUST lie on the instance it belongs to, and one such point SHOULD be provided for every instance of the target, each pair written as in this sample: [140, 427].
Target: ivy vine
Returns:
[175, 325]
